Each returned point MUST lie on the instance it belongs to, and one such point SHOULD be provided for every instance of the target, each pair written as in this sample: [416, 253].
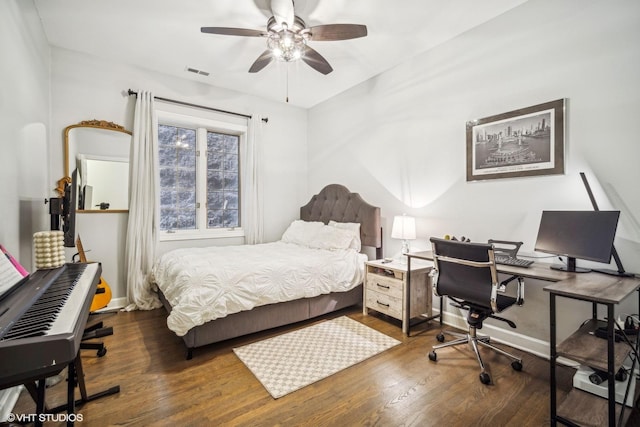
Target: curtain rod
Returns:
[188, 104]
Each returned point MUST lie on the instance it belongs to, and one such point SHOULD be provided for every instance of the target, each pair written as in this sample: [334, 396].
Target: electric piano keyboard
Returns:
[42, 322]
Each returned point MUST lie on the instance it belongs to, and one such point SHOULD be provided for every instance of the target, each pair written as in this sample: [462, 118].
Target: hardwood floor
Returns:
[399, 387]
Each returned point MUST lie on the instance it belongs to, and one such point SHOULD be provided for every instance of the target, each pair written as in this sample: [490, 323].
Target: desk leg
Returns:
[611, 365]
[553, 356]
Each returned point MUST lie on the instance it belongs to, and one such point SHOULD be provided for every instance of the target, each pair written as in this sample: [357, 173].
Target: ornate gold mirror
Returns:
[99, 151]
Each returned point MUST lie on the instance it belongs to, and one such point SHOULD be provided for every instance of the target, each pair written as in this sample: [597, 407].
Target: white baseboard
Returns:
[114, 304]
[8, 399]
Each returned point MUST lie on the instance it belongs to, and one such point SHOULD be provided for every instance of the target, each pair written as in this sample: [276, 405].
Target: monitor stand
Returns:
[614, 253]
[613, 272]
[570, 267]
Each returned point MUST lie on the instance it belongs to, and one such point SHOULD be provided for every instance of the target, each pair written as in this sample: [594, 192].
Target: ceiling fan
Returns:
[287, 37]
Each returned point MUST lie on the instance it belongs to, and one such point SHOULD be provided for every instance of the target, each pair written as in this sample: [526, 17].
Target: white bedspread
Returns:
[204, 284]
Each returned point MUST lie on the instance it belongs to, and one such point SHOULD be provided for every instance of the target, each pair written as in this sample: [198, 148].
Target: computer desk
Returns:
[596, 288]
[535, 271]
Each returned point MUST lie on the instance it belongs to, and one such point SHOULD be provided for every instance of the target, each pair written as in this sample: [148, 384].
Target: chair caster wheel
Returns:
[102, 352]
[433, 356]
[516, 365]
[440, 337]
[485, 378]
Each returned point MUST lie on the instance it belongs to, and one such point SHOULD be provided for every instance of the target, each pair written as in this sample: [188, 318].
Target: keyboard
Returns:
[516, 262]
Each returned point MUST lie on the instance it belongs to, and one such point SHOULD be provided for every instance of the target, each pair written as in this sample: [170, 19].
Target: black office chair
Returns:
[466, 274]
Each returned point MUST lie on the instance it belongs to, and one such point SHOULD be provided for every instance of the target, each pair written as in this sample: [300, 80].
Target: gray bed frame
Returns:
[334, 202]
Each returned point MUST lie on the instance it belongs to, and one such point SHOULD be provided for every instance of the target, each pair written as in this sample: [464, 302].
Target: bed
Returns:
[203, 314]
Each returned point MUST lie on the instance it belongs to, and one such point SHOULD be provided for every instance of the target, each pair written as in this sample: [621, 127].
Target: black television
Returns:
[586, 235]
[69, 203]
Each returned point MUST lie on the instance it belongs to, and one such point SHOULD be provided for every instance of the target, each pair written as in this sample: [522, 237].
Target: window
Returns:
[178, 167]
[200, 186]
[223, 190]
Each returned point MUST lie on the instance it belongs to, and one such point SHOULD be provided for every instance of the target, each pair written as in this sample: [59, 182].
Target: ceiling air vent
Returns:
[196, 71]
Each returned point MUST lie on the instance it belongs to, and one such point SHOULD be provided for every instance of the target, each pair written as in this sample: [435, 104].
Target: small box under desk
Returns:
[583, 380]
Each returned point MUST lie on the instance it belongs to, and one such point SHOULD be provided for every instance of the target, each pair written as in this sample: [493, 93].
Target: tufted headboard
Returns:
[336, 202]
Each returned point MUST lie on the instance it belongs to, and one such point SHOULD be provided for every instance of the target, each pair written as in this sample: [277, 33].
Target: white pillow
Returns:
[302, 232]
[354, 230]
[332, 238]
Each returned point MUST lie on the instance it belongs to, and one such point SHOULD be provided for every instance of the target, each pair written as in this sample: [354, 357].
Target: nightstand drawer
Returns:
[384, 285]
[385, 304]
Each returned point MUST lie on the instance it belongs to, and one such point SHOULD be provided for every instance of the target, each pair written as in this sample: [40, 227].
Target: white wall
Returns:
[24, 120]
[399, 138]
[85, 88]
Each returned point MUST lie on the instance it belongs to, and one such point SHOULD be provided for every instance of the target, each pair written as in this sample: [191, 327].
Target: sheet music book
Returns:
[11, 272]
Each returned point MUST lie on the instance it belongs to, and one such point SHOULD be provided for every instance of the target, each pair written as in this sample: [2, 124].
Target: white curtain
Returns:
[252, 195]
[142, 237]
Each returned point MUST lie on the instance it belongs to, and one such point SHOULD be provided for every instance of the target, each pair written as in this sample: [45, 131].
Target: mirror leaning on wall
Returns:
[99, 151]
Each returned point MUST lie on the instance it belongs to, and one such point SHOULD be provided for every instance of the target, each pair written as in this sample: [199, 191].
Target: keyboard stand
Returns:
[76, 378]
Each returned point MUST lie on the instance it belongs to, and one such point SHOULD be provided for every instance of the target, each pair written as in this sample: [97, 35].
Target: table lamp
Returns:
[404, 227]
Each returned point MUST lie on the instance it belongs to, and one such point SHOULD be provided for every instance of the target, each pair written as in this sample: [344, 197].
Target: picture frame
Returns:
[520, 143]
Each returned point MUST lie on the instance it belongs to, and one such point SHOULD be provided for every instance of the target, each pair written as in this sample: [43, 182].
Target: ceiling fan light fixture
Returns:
[277, 52]
[287, 40]
[286, 45]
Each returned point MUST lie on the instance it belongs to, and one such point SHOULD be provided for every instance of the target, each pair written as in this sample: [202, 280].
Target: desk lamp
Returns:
[404, 227]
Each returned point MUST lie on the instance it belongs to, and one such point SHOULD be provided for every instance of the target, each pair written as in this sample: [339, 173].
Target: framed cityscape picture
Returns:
[524, 142]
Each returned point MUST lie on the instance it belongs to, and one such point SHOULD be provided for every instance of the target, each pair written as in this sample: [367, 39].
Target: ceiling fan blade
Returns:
[262, 61]
[316, 61]
[331, 32]
[283, 12]
[225, 31]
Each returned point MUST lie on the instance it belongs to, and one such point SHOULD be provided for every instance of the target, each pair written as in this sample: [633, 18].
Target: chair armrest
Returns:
[433, 274]
[519, 291]
[504, 283]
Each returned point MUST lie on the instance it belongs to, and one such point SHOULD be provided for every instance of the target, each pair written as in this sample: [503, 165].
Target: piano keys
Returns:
[42, 322]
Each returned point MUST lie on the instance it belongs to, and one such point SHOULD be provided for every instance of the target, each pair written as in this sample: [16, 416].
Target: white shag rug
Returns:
[288, 362]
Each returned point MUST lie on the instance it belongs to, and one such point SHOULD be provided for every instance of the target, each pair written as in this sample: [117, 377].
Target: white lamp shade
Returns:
[404, 227]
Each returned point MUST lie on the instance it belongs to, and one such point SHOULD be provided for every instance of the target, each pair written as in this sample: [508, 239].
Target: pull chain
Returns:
[287, 83]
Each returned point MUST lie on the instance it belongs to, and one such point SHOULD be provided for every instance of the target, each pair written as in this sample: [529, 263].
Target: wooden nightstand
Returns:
[385, 286]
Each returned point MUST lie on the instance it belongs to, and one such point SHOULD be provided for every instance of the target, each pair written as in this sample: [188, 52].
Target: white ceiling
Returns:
[164, 35]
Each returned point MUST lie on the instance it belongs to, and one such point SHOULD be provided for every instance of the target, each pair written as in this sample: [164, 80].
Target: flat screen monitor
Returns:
[586, 235]
[69, 204]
